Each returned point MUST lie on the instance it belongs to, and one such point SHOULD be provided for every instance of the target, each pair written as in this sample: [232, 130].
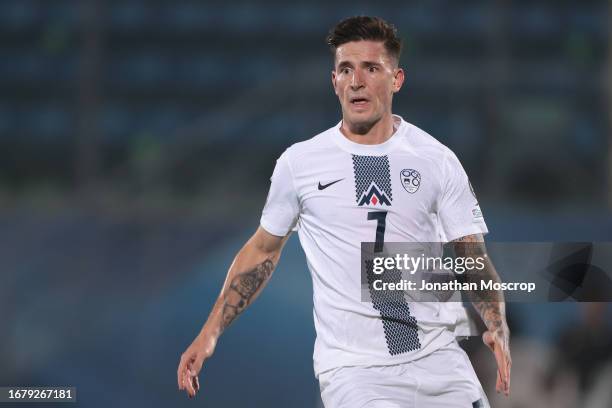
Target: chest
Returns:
[338, 187]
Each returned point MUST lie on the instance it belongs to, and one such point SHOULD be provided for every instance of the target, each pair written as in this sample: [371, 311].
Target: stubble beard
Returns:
[362, 127]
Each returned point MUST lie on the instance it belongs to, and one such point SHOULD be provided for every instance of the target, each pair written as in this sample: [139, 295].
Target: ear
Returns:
[398, 80]
[333, 78]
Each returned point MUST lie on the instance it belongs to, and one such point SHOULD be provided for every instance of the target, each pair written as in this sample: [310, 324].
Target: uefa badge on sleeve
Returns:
[411, 180]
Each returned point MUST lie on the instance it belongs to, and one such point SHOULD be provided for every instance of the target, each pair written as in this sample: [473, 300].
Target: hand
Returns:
[191, 363]
[498, 341]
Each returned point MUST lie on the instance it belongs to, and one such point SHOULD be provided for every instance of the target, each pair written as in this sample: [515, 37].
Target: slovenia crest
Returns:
[411, 180]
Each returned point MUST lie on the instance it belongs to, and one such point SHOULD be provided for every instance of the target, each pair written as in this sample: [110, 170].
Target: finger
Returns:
[505, 378]
[500, 359]
[504, 367]
[498, 383]
[180, 372]
[195, 370]
[509, 370]
[196, 383]
[189, 384]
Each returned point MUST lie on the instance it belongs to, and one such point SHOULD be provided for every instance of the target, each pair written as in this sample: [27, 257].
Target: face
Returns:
[365, 78]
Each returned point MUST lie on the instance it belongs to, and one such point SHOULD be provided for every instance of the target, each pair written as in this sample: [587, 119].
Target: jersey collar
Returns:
[369, 150]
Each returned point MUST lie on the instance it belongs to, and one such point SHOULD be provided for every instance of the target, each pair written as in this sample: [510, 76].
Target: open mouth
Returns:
[359, 101]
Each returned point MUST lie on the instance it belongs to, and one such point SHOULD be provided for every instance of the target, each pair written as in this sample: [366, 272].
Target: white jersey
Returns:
[337, 194]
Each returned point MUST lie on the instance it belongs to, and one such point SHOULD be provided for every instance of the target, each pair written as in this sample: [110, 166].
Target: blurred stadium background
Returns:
[137, 139]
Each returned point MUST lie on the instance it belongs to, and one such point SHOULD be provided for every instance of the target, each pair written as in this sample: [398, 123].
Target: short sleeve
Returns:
[458, 208]
[281, 211]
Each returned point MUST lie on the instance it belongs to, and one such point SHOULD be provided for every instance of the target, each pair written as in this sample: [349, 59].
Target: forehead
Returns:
[357, 51]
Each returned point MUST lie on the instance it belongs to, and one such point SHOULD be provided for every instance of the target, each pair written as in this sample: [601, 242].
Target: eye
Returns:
[345, 70]
[372, 68]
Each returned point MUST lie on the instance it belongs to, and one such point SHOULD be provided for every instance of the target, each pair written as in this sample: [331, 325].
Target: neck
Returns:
[378, 133]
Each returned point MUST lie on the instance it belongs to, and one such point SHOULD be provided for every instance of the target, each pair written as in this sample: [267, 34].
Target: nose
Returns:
[357, 80]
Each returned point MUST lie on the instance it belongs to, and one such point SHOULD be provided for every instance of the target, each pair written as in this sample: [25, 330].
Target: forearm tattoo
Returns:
[488, 303]
[242, 289]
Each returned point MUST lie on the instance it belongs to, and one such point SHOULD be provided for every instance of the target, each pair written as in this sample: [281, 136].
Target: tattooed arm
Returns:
[247, 276]
[490, 305]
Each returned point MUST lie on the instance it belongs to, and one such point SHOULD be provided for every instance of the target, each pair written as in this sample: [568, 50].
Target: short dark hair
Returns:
[362, 28]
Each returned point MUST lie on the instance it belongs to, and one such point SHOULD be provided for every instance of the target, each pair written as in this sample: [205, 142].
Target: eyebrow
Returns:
[363, 63]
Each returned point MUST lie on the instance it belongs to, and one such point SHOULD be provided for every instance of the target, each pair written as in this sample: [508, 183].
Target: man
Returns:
[372, 176]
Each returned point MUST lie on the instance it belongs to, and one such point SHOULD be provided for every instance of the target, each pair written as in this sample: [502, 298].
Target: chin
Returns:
[362, 127]
[361, 123]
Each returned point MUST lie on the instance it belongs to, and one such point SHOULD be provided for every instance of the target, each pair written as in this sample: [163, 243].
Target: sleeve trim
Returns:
[469, 231]
[271, 229]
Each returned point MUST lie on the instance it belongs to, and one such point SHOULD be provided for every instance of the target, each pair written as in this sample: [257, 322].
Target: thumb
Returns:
[487, 338]
[197, 364]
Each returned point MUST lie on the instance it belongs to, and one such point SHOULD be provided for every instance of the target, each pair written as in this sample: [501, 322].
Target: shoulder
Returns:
[428, 148]
[425, 144]
[315, 145]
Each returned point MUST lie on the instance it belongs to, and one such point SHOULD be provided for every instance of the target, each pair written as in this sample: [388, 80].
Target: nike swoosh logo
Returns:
[324, 186]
